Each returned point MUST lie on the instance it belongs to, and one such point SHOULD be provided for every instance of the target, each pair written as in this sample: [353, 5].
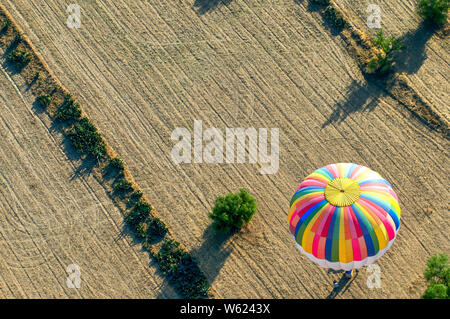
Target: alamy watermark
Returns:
[74, 19]
[374, 280]
[234, 140]
[374, 18]
[73, 281]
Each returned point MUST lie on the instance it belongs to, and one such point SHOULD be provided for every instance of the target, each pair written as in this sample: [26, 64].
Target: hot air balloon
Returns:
[344, 216]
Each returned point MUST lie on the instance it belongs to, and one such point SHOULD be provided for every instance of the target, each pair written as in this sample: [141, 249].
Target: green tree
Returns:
[437, 274]
[434, 11]
[232, 211]
[382, 64]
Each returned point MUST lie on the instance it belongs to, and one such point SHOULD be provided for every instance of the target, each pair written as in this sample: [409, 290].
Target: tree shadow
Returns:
[413, 57]
[213, 253]
[361, 97]
[364, 96]
[317, 7]
[342, 286]
[204, 6]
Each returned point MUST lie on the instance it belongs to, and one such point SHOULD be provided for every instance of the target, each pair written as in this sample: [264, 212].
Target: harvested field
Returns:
[140, 69]
[50, 218]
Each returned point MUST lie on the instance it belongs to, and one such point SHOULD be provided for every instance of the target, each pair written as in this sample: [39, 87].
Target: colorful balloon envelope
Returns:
[344, 216]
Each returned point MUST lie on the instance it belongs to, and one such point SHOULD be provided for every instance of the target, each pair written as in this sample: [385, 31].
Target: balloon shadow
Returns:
[342, 285]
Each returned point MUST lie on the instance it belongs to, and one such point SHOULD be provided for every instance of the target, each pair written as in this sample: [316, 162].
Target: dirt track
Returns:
[142, 68]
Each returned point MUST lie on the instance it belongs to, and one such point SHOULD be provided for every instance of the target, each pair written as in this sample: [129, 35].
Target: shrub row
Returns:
[84, 136]
[182, 270]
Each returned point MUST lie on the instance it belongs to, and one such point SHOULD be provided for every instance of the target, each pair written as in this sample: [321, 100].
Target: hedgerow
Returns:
[86, 139]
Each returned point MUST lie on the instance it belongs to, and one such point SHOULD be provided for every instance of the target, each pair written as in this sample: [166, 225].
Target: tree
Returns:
[434, 11]
[382, 64]
[232, 211]
[437, 274]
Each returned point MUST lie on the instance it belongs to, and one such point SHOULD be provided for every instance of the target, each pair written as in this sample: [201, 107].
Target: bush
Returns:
[139, 214]
[382, 64]
[5, 25]
[335, 16]
[189, 279]
[122, 186]
[437, 275]
[87, 140]
[156, 230]
[434, 11]
[69, 110]
[44, 100]
[232, 211]
[323, 2]
[182, 270]
[117, 163]
[141, 230]
[169, 257]
[19, 58]
[136, 196]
